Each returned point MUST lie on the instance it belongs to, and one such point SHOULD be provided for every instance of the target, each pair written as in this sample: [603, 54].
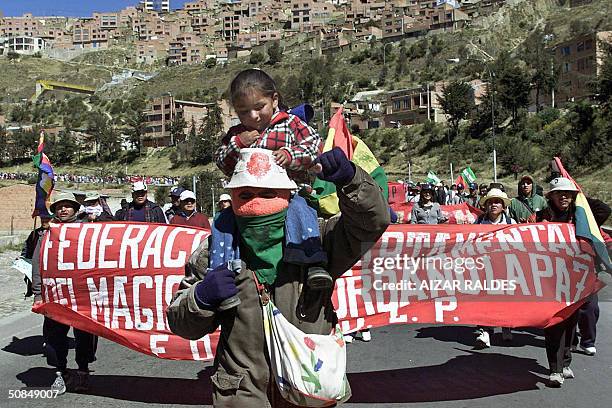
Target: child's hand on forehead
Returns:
[282, 157]
[248, 137]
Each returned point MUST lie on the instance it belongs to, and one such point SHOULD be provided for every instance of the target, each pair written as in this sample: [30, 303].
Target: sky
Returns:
[69, 8]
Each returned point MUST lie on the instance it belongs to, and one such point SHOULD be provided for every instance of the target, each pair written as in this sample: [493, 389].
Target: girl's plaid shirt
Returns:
[286, 132]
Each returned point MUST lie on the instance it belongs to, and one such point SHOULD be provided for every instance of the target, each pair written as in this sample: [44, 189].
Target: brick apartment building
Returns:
[579, 61]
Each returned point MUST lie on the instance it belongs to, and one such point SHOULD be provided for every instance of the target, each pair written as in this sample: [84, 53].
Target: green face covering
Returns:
[262, 244]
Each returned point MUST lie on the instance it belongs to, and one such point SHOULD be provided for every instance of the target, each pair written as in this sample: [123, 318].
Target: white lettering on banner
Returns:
[439, 245]
[416, 241]
[195, 352]
[154, 339]
[105, 242]
[61, 299]
[463, 246]
[196, 240]
[147, 281]
[510, 237]
[515, 273]
[159, 302]
[49, 283]
[490, 276]
[444, 304]
[98, 298]
[535, 236]
[132, 244]
[545, 272]
[578, 266]
[153, 248]
[179, 261]
[91, 263]
[120, 304]
[63, 244]
[47, 244]
[563, 281]
[171, 282]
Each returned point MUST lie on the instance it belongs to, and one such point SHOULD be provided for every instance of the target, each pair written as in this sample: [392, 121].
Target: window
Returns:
[567, 67]
[406, 103]
[396, 105]
[580, 46]
[565, 50]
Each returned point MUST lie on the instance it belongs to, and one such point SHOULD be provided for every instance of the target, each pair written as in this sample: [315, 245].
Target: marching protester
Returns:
[527, 203]
[65, 208]
[141, 209]
[294, 145]
[93, 210]
[244, 376]
[494, 204]
[440, 193]
[175, 198]
[472, 197]
[28, 249]
[412, 192]
[426, 211]
[559, 338]
[187, 214]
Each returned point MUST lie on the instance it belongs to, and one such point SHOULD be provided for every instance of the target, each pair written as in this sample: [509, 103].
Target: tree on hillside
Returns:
[256, 58]
[275, 53]
[401, 66]
[602, 85]
[511, 84]
[541, 62]
[137, 121]
[206, 142]
[97, 126]
[2, 144]
[177, 129]
[65, 148]
[457, 101]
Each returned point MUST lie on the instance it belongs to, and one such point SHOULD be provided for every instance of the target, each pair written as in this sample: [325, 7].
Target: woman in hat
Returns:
[494, 205]
[559, 338]
[225, 201]
[426, 210]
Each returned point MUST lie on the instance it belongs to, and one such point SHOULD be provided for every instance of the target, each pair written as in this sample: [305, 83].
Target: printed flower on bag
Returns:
[340, 341]
[309, 343]
[319, 364]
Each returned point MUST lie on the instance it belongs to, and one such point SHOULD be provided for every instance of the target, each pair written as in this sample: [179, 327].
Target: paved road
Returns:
[404, 366]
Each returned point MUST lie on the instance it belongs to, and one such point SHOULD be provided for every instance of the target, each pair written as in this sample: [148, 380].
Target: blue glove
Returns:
[218, 285]
[337, 168]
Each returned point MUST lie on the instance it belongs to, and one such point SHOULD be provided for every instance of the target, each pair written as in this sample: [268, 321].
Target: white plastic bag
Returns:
[310, 369]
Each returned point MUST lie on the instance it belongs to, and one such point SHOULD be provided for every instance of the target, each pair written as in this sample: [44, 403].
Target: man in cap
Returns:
[175, 199]
[65, 207]
[527, 203]
[187, 214]
[261, 192]
[93, 210]
[141, 209]
[472, 197]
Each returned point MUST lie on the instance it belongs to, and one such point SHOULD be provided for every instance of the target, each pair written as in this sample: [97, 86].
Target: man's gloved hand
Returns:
[218, 285]
[335, 167]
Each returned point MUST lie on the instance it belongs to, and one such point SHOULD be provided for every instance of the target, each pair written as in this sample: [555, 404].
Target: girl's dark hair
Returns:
[252, 79]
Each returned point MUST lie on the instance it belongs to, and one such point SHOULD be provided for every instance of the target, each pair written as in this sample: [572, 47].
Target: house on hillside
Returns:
[579, 61]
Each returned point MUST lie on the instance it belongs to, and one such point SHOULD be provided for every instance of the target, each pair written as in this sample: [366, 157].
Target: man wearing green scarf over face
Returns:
[260, 192]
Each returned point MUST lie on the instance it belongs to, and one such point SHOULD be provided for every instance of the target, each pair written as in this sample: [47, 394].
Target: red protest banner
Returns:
[115, 280]
[457, 214]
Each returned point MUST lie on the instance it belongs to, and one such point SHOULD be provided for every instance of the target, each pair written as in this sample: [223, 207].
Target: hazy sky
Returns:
[77, 8]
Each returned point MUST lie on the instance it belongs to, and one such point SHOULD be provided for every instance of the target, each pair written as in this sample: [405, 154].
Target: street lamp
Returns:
[384, 48]
[491, 76]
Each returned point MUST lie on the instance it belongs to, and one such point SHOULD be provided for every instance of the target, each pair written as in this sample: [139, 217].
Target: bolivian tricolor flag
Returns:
[586, 227]
[358, 152]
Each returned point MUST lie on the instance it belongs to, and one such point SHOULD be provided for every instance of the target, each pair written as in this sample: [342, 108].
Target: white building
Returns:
[156, 5]
[25, 45]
